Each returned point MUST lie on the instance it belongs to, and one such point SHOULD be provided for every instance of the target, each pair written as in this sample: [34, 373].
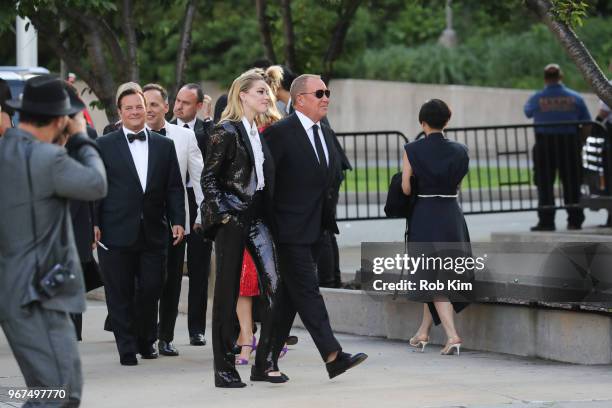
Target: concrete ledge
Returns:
[567, 336]
[591, 234]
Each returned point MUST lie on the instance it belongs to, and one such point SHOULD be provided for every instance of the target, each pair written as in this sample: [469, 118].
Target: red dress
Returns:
[249, 283]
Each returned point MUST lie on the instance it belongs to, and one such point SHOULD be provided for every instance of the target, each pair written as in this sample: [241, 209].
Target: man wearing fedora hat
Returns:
[37, 179]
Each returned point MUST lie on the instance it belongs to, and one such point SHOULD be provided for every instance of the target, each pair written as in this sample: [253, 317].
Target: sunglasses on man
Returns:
[318, 93]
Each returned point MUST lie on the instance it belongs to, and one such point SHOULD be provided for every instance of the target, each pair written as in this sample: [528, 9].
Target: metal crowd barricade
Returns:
[375, 158]
[501, 174]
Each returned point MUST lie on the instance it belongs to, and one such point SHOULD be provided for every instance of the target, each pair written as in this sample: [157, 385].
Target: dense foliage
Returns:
[500, 43]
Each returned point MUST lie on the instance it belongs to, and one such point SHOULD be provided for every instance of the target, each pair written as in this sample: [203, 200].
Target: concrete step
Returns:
[560, 335]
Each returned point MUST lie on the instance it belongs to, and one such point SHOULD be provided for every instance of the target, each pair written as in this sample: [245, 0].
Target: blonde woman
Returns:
[237, 190]
[249, 282]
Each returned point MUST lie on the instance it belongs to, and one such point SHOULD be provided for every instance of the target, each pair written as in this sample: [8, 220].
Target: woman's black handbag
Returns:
[398, 204]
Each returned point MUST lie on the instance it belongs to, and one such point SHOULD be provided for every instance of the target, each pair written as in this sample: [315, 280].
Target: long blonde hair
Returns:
[234, 110]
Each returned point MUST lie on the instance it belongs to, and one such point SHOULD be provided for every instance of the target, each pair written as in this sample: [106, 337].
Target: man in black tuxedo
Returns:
[306, 161]
[189, 101]
[145, 187]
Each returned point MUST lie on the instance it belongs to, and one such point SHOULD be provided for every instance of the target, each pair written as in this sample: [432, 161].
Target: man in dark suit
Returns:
[189, 101]
[305, 158]
[189, 159]
[132, 230]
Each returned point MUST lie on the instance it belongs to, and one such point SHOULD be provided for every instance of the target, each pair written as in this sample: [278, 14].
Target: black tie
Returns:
[186, 126]
[137, 136]
[162, 131]
[319, 146]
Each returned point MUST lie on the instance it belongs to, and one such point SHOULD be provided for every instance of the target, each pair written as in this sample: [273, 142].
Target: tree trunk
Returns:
[574, 48]
[264, 30]
[97, 80]
[183, 51]
[129, 31]
[336, 43]
[289, 48]
[101, 71]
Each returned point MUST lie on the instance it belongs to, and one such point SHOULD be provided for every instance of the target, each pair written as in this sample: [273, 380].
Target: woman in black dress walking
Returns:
[438, 165]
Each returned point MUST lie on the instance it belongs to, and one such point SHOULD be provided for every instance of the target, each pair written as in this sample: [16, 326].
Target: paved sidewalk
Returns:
[393, 376]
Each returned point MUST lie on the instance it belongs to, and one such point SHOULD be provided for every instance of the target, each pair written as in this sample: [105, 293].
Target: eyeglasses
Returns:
[318, 93]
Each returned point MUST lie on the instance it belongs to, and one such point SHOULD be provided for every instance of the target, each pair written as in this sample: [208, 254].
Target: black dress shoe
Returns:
[128, 359]
[258, 375]
[574, 227]
[228, 379]
[292, 340]
[149, 353]
[166, 348]
[343, 362]
[543, 227]
[197, 340]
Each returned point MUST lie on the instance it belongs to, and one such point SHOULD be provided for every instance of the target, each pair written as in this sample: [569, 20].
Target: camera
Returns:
[56, 280]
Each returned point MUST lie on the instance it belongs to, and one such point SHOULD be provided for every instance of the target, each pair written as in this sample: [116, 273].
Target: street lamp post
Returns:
[449, 36]
[27, 43]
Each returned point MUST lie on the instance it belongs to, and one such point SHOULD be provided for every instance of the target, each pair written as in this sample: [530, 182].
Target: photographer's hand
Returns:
[76, 125]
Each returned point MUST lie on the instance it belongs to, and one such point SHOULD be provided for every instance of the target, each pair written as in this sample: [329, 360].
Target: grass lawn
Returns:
[362, 179]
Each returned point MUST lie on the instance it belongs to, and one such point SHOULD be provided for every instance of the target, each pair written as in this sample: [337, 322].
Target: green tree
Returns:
[560, 16]
[101, 38]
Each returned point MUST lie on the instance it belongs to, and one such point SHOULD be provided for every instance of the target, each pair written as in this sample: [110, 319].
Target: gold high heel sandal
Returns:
[450, 347]
[416, 342]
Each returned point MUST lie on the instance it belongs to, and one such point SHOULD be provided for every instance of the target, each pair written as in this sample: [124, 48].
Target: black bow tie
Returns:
[162, 131]
[137, 136]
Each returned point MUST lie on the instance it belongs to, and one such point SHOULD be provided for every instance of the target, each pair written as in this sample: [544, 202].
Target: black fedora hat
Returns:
[45, 95]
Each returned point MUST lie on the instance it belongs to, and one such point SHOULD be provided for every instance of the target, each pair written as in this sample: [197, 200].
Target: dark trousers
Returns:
[133, 310]
[198, 268]
[300, 294]
[328, 263]
[91, 276]
[168, 303]
[231, 239]
[46, 351]
[229, 245]
[558, 153]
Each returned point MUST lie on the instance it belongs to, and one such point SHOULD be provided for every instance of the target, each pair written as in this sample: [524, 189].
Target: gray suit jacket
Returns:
[56, 178]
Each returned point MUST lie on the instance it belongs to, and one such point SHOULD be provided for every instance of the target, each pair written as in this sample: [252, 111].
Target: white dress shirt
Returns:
[308, 124]
[257, 151]
[140, 154]
[191, 125]
[190, 159]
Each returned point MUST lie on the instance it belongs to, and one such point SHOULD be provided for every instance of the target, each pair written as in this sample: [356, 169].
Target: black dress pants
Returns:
[171, 293]
[300, 293]
[229, 246]
[328, 263]
[231, 239]
[199, 252]
[552, 153]
[134, 319]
